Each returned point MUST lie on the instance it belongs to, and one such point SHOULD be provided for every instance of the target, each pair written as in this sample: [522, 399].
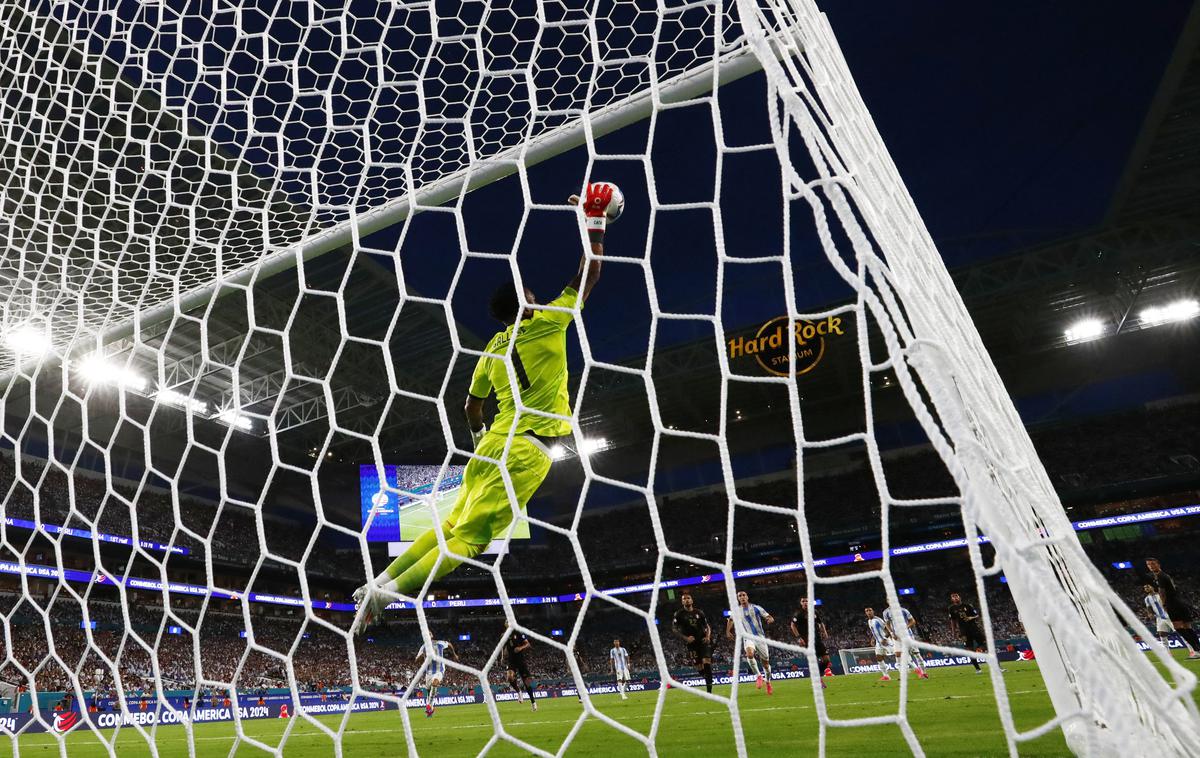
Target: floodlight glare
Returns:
[239, 420]
[1180, 310]
[95, 370]
[1087, 329]
[557, 453]
[27, 339]
[181, 400]
[593, 445]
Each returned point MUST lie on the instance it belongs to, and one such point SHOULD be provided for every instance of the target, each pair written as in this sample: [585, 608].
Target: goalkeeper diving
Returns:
[483, 511]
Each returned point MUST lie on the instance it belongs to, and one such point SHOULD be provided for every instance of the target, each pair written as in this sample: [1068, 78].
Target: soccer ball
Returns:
[616, 206]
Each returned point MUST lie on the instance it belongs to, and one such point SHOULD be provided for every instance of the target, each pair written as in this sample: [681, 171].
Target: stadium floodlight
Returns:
[238, 420]
[592, 445]
[27, 340]
[558, 452]
[1179, 310]
[180, 400]
[1084, 330]
[95, 369]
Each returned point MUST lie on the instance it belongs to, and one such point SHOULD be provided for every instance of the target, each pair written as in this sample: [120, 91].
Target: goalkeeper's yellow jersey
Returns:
[539, 360]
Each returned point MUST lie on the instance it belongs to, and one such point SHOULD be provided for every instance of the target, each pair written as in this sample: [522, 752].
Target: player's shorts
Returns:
[819, 648]
[622, 674]
[885, 648]
[1165, 626]
[482, 511]
[700, 651]
[759, 647]
[1178, 612]
[518, 665]
[973, 638]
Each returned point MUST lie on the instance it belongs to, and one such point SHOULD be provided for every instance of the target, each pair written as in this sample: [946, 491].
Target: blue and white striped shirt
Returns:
[437, 661]
[901, 627]
[875, 624]
[1156, 607]
[753, 619]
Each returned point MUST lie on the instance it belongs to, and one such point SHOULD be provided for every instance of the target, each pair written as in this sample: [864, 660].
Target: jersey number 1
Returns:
[519, 367]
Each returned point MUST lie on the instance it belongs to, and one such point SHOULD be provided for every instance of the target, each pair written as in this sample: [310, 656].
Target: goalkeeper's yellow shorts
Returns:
[482, 512]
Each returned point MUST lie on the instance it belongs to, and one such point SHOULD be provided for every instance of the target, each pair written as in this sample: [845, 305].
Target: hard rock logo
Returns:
[770, 347]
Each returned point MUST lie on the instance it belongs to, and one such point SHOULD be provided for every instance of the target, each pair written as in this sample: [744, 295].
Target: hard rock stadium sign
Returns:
[769, 345]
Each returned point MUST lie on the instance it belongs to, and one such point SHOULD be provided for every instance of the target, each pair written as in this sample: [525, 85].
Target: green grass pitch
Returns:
[952, 713]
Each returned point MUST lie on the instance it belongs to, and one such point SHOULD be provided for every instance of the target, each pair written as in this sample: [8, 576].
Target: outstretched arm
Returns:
[589, 271]
[595, 209]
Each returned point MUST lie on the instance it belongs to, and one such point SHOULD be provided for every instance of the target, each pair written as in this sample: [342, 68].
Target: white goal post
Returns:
[160, 159]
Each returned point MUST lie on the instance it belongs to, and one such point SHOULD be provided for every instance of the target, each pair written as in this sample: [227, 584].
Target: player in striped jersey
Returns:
[908, 627]
[752, 619]
[884, 644]
[437, 650]
[618, 664]
[1162, 620]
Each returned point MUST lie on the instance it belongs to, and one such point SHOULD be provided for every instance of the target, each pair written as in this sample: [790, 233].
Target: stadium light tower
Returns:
[1084, 330]
[1179, 310]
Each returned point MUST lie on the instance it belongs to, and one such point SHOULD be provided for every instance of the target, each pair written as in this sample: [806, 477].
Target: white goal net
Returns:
[244, 242]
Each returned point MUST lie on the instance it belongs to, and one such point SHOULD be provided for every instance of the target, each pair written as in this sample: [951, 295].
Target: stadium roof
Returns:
[1144, 249]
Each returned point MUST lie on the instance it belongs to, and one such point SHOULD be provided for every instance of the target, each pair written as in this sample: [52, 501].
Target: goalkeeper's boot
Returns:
[428, 710]
[770, 689]
[372, 600]
[758, 683]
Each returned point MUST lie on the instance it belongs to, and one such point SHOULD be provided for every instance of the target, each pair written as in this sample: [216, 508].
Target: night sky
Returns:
[1011, 125]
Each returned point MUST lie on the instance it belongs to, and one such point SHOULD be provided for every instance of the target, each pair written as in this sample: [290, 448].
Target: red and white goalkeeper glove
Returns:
[598, 207]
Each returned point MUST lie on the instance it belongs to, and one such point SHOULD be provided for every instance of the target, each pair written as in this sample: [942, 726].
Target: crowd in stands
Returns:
[1091, 453]
[231, 529]
[1095, 453]
[314, 654]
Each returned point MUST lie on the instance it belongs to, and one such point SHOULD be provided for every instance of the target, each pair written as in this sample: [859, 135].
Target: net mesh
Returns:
[189, 196]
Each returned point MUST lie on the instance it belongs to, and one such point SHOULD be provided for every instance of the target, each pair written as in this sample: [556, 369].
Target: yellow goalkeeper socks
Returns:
[417, 550]
[413, 578]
